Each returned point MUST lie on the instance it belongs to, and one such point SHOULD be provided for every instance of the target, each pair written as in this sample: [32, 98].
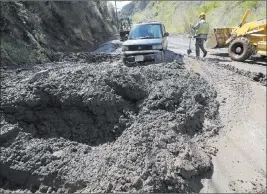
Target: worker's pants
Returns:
[200, 44]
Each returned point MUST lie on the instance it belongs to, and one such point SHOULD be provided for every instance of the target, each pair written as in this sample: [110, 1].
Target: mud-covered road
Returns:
[91, 124]
[240, 163]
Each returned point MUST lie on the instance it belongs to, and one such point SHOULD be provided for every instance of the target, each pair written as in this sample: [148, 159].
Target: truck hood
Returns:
[142, 42]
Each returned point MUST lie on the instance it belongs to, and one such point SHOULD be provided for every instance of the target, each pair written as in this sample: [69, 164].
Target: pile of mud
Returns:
[89, 57]
[105, 127]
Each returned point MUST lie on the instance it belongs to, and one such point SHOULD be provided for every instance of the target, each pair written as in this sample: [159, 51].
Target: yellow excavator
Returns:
[244, 40]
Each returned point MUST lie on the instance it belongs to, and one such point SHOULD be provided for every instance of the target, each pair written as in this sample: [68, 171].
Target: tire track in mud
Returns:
[240, 90]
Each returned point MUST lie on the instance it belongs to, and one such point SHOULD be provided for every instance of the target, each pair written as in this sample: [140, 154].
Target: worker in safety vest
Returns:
[201, 34]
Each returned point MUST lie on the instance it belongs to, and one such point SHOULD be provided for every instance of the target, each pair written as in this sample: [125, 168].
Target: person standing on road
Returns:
[201, 34]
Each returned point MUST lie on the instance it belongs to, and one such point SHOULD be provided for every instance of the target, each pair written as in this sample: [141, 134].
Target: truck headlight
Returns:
[125, 48]
[157, 47]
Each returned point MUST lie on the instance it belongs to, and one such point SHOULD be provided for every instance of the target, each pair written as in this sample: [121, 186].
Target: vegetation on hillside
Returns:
[178, 15]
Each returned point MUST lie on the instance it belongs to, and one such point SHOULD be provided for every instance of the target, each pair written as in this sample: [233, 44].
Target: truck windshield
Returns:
[146, 31]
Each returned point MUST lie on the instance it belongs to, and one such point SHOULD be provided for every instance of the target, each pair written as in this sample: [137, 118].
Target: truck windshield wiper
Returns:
[147, 37]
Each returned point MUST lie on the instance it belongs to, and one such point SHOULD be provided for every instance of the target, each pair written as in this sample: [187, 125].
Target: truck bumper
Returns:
[149, 55]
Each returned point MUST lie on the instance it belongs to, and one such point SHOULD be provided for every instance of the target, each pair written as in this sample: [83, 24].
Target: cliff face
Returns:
[133, 7]
[35, 32]
[177, 15]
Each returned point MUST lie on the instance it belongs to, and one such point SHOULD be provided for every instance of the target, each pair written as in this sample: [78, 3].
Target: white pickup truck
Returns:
[146, 42]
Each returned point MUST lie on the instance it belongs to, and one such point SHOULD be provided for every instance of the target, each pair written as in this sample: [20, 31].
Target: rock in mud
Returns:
[8, 131]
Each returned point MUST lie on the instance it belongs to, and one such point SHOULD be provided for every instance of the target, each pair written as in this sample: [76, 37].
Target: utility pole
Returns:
[117, 19]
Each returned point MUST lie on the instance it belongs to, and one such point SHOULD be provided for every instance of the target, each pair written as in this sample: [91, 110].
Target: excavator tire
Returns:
[240, 49]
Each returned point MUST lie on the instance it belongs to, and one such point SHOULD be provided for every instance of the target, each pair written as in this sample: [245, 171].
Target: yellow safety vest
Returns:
[203, 28]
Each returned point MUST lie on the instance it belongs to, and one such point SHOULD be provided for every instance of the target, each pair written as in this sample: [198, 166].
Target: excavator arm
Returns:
[239, 28]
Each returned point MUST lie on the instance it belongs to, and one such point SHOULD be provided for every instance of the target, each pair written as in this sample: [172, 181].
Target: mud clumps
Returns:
[86, 127]
[89, 57]
[241, 186]
[257, 77]
[73, 106]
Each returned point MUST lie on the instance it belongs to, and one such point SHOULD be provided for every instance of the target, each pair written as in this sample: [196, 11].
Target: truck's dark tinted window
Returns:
[146, 31]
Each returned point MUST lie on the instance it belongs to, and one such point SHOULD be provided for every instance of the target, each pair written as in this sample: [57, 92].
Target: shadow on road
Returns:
[218, 60]
[170, 56]
[109, 47]
[220, 54]
[257, 60]
[196, 181]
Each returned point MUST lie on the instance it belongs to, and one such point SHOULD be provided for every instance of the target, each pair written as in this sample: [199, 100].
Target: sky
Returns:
[120, 4]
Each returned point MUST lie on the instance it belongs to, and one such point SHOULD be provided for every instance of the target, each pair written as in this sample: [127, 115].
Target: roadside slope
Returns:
[177, 15]
[34, 32]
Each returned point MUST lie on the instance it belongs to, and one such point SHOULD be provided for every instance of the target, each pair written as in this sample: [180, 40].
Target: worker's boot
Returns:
[205, 53]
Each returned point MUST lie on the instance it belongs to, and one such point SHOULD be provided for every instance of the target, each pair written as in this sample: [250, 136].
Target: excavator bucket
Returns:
[221, 36]
[212, 41]
[218, 38]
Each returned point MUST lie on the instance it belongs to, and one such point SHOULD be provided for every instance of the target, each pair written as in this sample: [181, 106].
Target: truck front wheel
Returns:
[240, 49]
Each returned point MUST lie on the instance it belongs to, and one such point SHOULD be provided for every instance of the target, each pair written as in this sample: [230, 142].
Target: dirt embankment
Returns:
[104, 127]
[37, 32]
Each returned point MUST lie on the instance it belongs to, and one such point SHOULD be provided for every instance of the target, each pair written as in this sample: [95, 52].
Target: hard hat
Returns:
[202, 15]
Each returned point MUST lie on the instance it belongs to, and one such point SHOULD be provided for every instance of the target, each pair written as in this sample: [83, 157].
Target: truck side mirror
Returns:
[166, 34]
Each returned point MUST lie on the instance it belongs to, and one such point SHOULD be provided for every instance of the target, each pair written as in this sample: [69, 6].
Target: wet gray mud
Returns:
[91, 124]
[253, 76]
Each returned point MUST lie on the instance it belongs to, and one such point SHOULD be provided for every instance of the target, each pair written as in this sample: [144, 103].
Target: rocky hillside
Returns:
[178, 15]
[133, 7]
[36, 32]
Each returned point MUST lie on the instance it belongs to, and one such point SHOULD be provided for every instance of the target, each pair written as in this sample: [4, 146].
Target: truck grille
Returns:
[140, 47]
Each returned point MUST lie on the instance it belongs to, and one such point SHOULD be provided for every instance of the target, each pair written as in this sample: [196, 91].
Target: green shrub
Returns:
[209, 6]
[177, 16]
[16, 50]
[20, 53]
[250, 4]
[39, 56]
[137, 17]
